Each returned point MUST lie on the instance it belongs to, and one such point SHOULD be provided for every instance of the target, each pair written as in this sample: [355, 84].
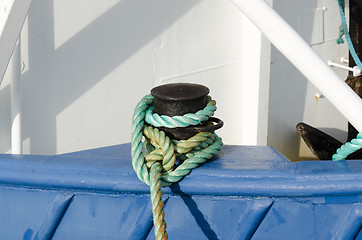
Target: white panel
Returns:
[255, 85]
[5, 115]
[311, 26]
[205, 46]
[87, 68]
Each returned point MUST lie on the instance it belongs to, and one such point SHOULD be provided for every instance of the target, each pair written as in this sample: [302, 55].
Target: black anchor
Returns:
[323, 145]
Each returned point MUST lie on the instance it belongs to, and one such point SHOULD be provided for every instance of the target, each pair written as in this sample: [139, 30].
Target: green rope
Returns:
[343, 30]
[356, 144]
[157, 166]
[136, 139]
[157, 203]
[348, 148]
[181, 121]
[341, 27]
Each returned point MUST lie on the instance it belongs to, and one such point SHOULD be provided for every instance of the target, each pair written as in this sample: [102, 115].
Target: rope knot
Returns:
[160, 148]
[166, 160]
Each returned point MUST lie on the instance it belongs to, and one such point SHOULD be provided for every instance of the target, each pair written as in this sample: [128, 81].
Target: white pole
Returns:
[303, 57]
[15, 86]
[12, 17]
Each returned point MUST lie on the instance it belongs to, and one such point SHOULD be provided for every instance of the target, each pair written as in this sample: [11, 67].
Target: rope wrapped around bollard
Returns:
[166, 160]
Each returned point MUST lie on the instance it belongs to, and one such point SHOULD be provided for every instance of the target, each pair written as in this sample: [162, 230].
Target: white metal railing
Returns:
[14, 69]
[303, 57]
[13, 15]
[13, 20]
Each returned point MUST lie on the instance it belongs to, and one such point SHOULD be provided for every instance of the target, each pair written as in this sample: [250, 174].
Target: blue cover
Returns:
[243, 193]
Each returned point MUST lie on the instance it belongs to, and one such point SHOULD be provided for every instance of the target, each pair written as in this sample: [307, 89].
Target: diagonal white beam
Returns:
[303, 57]
[13, 14]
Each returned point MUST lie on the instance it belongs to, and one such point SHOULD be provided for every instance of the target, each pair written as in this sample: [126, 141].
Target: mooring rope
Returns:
[166, 160]
[343, 30]
[355, 144]
[181, 121]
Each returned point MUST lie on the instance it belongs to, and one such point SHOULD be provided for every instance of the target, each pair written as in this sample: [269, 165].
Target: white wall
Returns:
[88, 63]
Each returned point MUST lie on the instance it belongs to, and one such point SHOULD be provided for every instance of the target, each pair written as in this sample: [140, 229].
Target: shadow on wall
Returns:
[57, 77]
[5, 121]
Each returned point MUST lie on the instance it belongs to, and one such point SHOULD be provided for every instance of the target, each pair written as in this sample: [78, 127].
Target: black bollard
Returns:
[177, 99]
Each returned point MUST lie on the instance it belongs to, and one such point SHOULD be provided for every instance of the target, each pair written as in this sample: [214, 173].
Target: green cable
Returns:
[343, 30]
[356, 143]
[348, 148]
[157, 166]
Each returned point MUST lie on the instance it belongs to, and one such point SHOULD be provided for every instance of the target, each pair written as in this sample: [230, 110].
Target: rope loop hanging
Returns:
[355, 144]
[343, 30]
[164, 160]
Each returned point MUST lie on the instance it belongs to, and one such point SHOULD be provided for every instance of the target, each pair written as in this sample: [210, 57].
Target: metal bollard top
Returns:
[177, 99]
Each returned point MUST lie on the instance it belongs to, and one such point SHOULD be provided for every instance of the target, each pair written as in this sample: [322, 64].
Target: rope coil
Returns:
[181, 121]
[167, 161]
